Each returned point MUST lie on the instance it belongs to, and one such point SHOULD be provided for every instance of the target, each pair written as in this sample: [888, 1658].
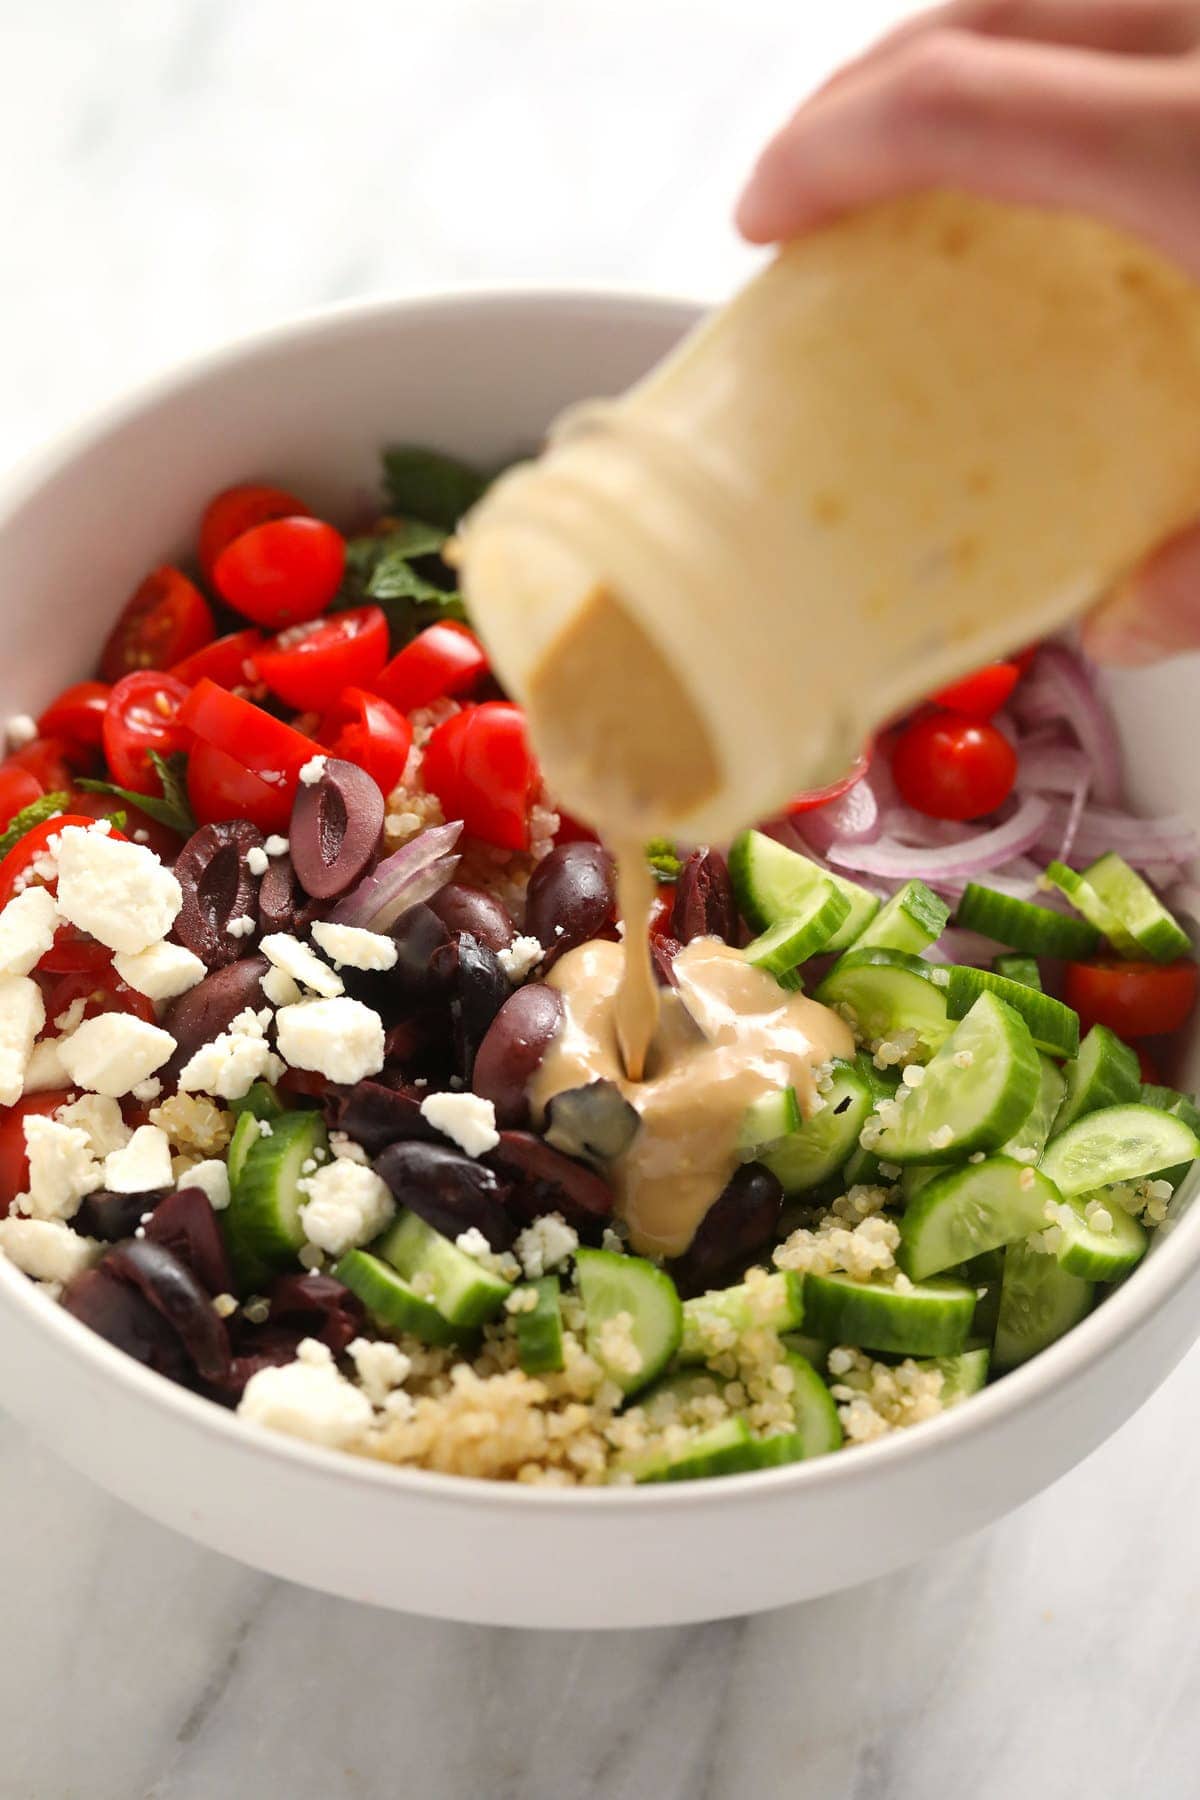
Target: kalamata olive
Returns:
[186, 1224]
[546, 1181]
[418, 976]
[512, 1050]
[376, 1116]
[594, 1122]
[462, 908]
[335, 828]
[704, 903]
[112, 1217]
[450, 1191]
[572, 896]
[663, 951]
[282, 903]
[741, 1221]
[206, 1010]
[319, 1306]
[218, 888]
[172, 1290]
[123, 1317]
[478, 990]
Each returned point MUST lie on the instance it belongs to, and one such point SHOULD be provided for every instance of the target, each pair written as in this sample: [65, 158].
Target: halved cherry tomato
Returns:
[952, 767]
[307, 663]
[481, 767]
[51, 761]
[364, 729]
[14, 1159]
[443, 660]
[101, 990]
[221, 788]
[811, 798]
[1025, 658]
[262, 744]
[1147, 1067]
[74, 953]
[18, 863]
[18, 789]
[573, 831]
[283, 572]
[662, 909]
[239, 509]
[78, 714]
[229, 661]
[167, 619]
[143, 714]
[981, 694]
[1134, 999]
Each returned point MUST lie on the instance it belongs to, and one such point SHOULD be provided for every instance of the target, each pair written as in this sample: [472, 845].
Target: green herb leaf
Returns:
[425, 484]
[664, 862]
[170, 808]
[394, 569]
[36, 813]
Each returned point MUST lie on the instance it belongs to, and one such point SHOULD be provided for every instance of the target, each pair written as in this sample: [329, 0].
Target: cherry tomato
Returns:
[221, 788]
[1134, 999]
[14, 1159]
[283, 572]
[480, 766]
[262, 744]
[1147, 1067]
[364, 729]
[143, 715]
[18, 789]
[167, 619]
[51, 762]
[981, 694]
[811, 798]
[1024, 659]
[77, 715]
[229, 661]
[444, 659]
[952, 767]
[307, 663]
[239, 509]
[662, 909]
[24, 854]
[573, 831]
[101, 990]
[74, 953]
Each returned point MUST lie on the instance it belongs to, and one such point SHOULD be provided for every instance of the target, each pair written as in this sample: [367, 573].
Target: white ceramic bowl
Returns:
[309, 405]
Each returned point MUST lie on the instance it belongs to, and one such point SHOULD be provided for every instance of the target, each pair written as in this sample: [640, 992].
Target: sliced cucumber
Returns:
[261, 1100]
[540, 1327]
[711, 1320]
[769, 1120]
[771, 884]
[1105, 1073]
[888, 991]
[818, 1149]
[1094, 1254]
[911, 920]
[968, 1211]
[722, 1449]
[1052, 1026]
[631, 1353]
[1084, 898]
[1038, 930]
[978, 1090]
[817, 1429]
[391, 1304]
[963, 1374]
[985, 1274]
[930, 1318]
[1039, 1302]
[819, 913]
[262, 1221]
[245, 1133]
[1138, 909]
[462, 1291]
[1027, 1144]
[1118, 1143]
[1180, 1106]
[915, 1177]
[1015, 967]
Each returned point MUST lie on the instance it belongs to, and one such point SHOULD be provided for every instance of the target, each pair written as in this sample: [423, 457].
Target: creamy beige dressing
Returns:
[724, 1036]
[637, 1007]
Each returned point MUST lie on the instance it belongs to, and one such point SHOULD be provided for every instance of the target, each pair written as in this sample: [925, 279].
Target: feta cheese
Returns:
[345, 1147]
[280, 989]
[467, 1119]
[545, 1244]
[62, 1169]
[147, 1090]
[313, 770]
[257, 860]
[340, 1039]
[283, 951]
[380, 1366]
[212, 1178]
[27, 927]
[46, 1249]
[347, 1205]
[277, 846]
[19, 731]
[161, 971]
[22, 1016]
[523, 954]
[71, 1016]
[349, 946]
[143, 1165]
[308, 1399]
[100, 1118]
[234, 1061]
[45, 1068]
[120, 892]
[112, 1053]
[241, 927]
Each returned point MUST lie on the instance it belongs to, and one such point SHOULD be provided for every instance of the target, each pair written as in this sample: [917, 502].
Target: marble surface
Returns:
[178, 170]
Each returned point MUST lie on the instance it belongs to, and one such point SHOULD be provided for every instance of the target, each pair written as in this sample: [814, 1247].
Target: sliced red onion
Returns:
[1184, 897]
[1142, 842]
[958, 945]
[851, 819]
[924, 832]
[1053, 769]
[1071, 823]
[984, 852]
[414, 873]
[1061, 686]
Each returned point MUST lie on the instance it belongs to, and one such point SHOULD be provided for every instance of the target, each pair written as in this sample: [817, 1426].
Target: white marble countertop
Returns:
[179, 170]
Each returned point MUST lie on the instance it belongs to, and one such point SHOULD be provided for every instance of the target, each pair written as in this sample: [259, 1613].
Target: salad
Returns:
[311, 1099]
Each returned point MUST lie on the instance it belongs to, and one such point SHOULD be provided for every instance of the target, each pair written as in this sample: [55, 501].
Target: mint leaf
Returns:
[36, 813]
[665, 863]
[394, 569]
[426, 484]
[170, 808]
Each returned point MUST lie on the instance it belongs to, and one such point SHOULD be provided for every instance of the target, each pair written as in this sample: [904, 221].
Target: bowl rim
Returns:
[1103, 1333]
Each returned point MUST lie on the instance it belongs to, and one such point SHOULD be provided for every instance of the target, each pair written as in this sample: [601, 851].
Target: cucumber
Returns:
[963, 1374]
[1037, 930]
[773, 1117]
[245, 1133]
[1099, 1255]
[984, 1274]
[1016, 967]
[862, 1166]
[540, 1328]
[1137, 908]
[391, 1304]
[462, 1291]
[888, 991]
[1052, 1026]
[262, 1221]
[771, 882]
[261, 1100]
[915, 1177]
[812, 927]
[818, 1149]
[813, 1349]
[930, 1318]
[1181, 1106]
[1027, 1144]
[612, 1284]
[1118, 1143]
[1039, 1302]
[1084, 898]
[709, 1320]
[978, 1090]
[968, 1211]
[911, 920]
[817, 1429]
[1105, 1073]
[722, 1449]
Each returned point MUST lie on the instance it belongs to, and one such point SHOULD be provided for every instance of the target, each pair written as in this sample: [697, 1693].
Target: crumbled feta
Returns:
[467, 1119]
[545, 1244]
[19, 731]
[147, 1090]
[523, 954]
[46, 1249]
[212, 1178]
[345, 1147]
[308, 1399]
[313, 770]
[120, 892]
[45, 1068]
[72, 1015]
[501, 1263]
[230, 1065]
[380, 1366]
[161, 971]
[350, 947]
[62, 1169]
[257, 860]
[279, 988]
[112, 1053]
[100, 1118]
[22, 1015]
[276, 846]
[143, 1165]
[283, 951]
[340, 1039]
[347, 1205]
[27, 927]
[241, 927]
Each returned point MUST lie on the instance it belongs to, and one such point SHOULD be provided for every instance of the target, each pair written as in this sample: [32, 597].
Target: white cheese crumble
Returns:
[22, 1015]
[308, 1399]
[501, 1263]
[27, 927]
[545, 1244]
[212, 1178]
[45, 1069]
[523, 954]
[381, 1367]
[72, 1015]
[120, 892]
[234, 1061]
[257, 860]
[280, 989]
[161, 971]
[143, 1165]
[347, 1205]
[46, 1249]
[100, 1118]
[241, 927]
[340, 1039]
[283, 951]
[276, 846]
[19, 731]
[350, 947]
[62, 1169]
[467, 1119]
[313, 770]
[344, 1146]
[113, 1053]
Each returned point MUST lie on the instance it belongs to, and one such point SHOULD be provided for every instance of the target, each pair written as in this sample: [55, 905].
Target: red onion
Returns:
[851, 819]
[953, 862]
[1142, 842]
[957, 945]
[1052, 768]
[1060, 686]
[414, 873]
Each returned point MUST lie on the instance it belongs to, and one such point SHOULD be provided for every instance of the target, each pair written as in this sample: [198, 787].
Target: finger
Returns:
[1154, 614]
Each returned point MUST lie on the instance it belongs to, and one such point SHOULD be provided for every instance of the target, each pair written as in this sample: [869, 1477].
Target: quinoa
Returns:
[195, 1125]
[877, 1398]
[862, 1248]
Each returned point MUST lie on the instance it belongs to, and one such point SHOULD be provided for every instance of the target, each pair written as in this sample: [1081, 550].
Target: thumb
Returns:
[1155, 613]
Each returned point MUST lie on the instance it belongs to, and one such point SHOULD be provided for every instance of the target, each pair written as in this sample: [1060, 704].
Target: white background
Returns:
[174, 171]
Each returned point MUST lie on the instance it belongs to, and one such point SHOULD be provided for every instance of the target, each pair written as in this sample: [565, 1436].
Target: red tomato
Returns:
[307, 663]
[135, 823]
[167, 619]
[1024, 659]
[27, 850]
[1134, 999]
[814, 797]
[14, 1161]
[221, 788]
[239, 509]
[51, 762]
[143, 715]
[262, 744]
[78, 714]
[1147, 1067]
[444, 659]
[952, 767]
[283, 572]
[981, 694]
[662, 909]
[480, 766]
[573, 831]
[364, 729]
[227, 660]
[101, 990]
[74, 953]
[18, 789]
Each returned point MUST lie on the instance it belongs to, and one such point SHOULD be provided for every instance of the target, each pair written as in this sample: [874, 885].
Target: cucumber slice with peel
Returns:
[633, 1317]
[1015, 967]
[967, 1211]
[539, 1327]
[1180, 1106]
[724, 1449]
[930, 1318]
[245, 1133]
[978, 1090]
[1027, 1144]
[262, 1100]
[713, 1322]
[771, 884]
[1135, 905]
[1099, 1254]
[767, 1122]
[1052, 1026]
[262, 1221]
[817, 1429]
[911, 920]
[1037, 930]
[886, 992]
[391, 1303]
[463, 1291]
[1118, 1143]
[1039, 1302]
[962, 1375]
[816, 1151]
[1105, 1073]
[1084, 898]
[811, 928]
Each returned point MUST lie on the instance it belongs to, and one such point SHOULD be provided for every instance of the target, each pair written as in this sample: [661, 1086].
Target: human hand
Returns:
[1086, 105]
